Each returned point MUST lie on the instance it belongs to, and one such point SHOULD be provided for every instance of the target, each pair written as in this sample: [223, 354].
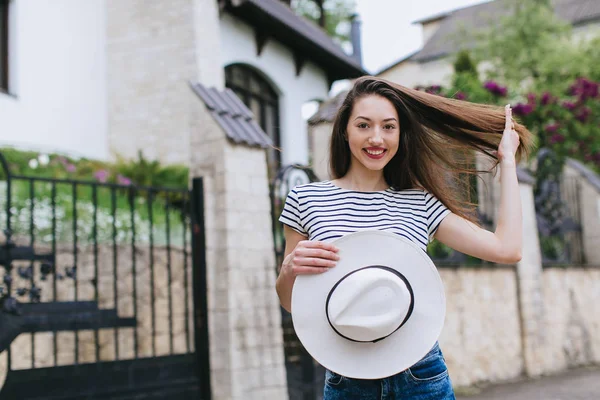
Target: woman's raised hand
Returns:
[310, 257]
[510, 139]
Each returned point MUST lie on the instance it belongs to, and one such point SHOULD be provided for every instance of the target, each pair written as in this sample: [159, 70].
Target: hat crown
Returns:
[368, 304]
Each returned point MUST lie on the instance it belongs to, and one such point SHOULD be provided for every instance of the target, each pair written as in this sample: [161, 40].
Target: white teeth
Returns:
[375, 153]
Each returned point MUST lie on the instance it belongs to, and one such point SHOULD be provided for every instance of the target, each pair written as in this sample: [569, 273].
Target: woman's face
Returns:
[373, 132]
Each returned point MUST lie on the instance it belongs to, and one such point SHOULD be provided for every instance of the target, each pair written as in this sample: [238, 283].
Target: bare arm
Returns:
[504, 245]
[301, 257]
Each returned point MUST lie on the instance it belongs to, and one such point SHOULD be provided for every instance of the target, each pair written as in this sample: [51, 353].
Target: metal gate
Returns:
[103, 291]
[305, 376]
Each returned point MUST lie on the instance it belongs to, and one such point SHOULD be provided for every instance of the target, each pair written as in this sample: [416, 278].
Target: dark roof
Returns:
[408, 56]
[328, 109]
[233, 116]
[280, 22]
[432, 18]
[448, 39]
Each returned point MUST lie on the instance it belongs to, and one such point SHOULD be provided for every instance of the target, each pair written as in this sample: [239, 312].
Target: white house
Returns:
[442, 38]
[107, 78]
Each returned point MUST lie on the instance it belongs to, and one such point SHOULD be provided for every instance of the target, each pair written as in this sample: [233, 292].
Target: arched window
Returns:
[260, 97]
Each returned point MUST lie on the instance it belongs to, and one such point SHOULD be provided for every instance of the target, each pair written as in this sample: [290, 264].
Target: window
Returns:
[4, 45]
[260, 97]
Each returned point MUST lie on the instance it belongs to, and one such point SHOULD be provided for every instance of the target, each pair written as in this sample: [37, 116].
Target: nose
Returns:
[376, 138]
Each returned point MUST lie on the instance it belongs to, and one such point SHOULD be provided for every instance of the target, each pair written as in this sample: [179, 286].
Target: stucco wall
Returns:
[276, 63]
[57, 68]
[411, 74]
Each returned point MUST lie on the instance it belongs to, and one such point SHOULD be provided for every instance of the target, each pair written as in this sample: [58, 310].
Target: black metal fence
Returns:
[305, 377]
[103, 292]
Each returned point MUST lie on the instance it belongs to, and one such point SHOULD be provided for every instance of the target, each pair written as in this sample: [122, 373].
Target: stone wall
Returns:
[485, 341]
[166, 315]
[481, 340]
[151, 55]
[572, 322]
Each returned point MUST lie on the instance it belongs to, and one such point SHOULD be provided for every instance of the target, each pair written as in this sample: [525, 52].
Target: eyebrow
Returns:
[369, 119]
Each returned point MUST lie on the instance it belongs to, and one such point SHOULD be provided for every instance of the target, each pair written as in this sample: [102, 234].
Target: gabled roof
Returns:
[328, 109]
[236, 120]
[276, 20]
[446, 40]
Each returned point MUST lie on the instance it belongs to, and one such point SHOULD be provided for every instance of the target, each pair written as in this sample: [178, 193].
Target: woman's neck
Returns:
[363, 180]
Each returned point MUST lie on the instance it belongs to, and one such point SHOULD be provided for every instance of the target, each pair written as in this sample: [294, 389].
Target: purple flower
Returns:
[70, 168]
[551, 128]
[522, 109]
[495, 88]
[101, 175]
[557, 138]
[568, 105]
[433, 89]
[584, 88]
[460, 96]
[123, 180]
[531, 98]
[547, 98]
[490, 85]
[583, 114]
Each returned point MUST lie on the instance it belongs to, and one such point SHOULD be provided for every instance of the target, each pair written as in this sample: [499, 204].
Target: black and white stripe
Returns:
[324, 212]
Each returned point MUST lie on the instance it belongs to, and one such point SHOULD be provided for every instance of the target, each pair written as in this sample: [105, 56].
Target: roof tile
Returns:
[447, 39]
[236, 120]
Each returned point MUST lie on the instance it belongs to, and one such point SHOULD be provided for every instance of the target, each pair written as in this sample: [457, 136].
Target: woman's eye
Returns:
[389, 127]
[362, 125]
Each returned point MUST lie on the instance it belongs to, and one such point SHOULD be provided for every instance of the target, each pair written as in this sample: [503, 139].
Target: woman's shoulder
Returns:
[410, 191]
[321, 186]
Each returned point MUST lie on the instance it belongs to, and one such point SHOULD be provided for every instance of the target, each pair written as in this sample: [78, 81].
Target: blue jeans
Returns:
[428, 379]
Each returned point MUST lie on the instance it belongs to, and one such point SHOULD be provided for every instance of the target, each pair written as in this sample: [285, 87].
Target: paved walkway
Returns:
[580, 384]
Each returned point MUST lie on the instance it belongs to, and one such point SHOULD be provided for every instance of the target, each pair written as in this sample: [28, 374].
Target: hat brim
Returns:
[395, 353]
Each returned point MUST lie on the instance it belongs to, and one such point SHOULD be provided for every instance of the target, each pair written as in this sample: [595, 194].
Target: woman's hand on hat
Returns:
[510, 139]
[311, 257]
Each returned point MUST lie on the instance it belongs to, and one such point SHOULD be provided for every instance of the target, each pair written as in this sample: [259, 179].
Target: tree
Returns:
[332, 15]
[519, 44]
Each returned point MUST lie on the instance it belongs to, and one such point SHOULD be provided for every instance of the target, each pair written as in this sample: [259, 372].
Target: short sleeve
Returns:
[436, 212]
[290, 215]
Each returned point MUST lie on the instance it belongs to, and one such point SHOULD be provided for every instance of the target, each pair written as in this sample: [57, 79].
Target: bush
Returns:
[140, 172]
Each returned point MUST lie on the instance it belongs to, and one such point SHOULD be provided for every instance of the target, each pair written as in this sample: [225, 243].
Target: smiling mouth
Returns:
[375, 154]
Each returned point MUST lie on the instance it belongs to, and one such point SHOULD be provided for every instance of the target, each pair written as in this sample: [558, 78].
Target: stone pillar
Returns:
[588, 186]
[529, 269]
[530, 288]
[244, 317]
[320, 136]
[246, 341]
[3, 367]
[589, 203]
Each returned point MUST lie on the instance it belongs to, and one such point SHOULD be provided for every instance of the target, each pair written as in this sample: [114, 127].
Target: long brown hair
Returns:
[438, 138]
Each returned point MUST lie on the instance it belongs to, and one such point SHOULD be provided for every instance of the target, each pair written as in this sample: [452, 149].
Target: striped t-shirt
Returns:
[324, 212]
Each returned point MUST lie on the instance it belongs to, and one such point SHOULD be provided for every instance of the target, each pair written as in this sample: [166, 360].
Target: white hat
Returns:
[376, 313]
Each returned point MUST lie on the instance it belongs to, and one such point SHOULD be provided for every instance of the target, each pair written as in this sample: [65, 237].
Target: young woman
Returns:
[398, 157]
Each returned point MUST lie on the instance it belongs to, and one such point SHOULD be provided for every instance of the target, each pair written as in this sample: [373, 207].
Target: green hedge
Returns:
[140, 171]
